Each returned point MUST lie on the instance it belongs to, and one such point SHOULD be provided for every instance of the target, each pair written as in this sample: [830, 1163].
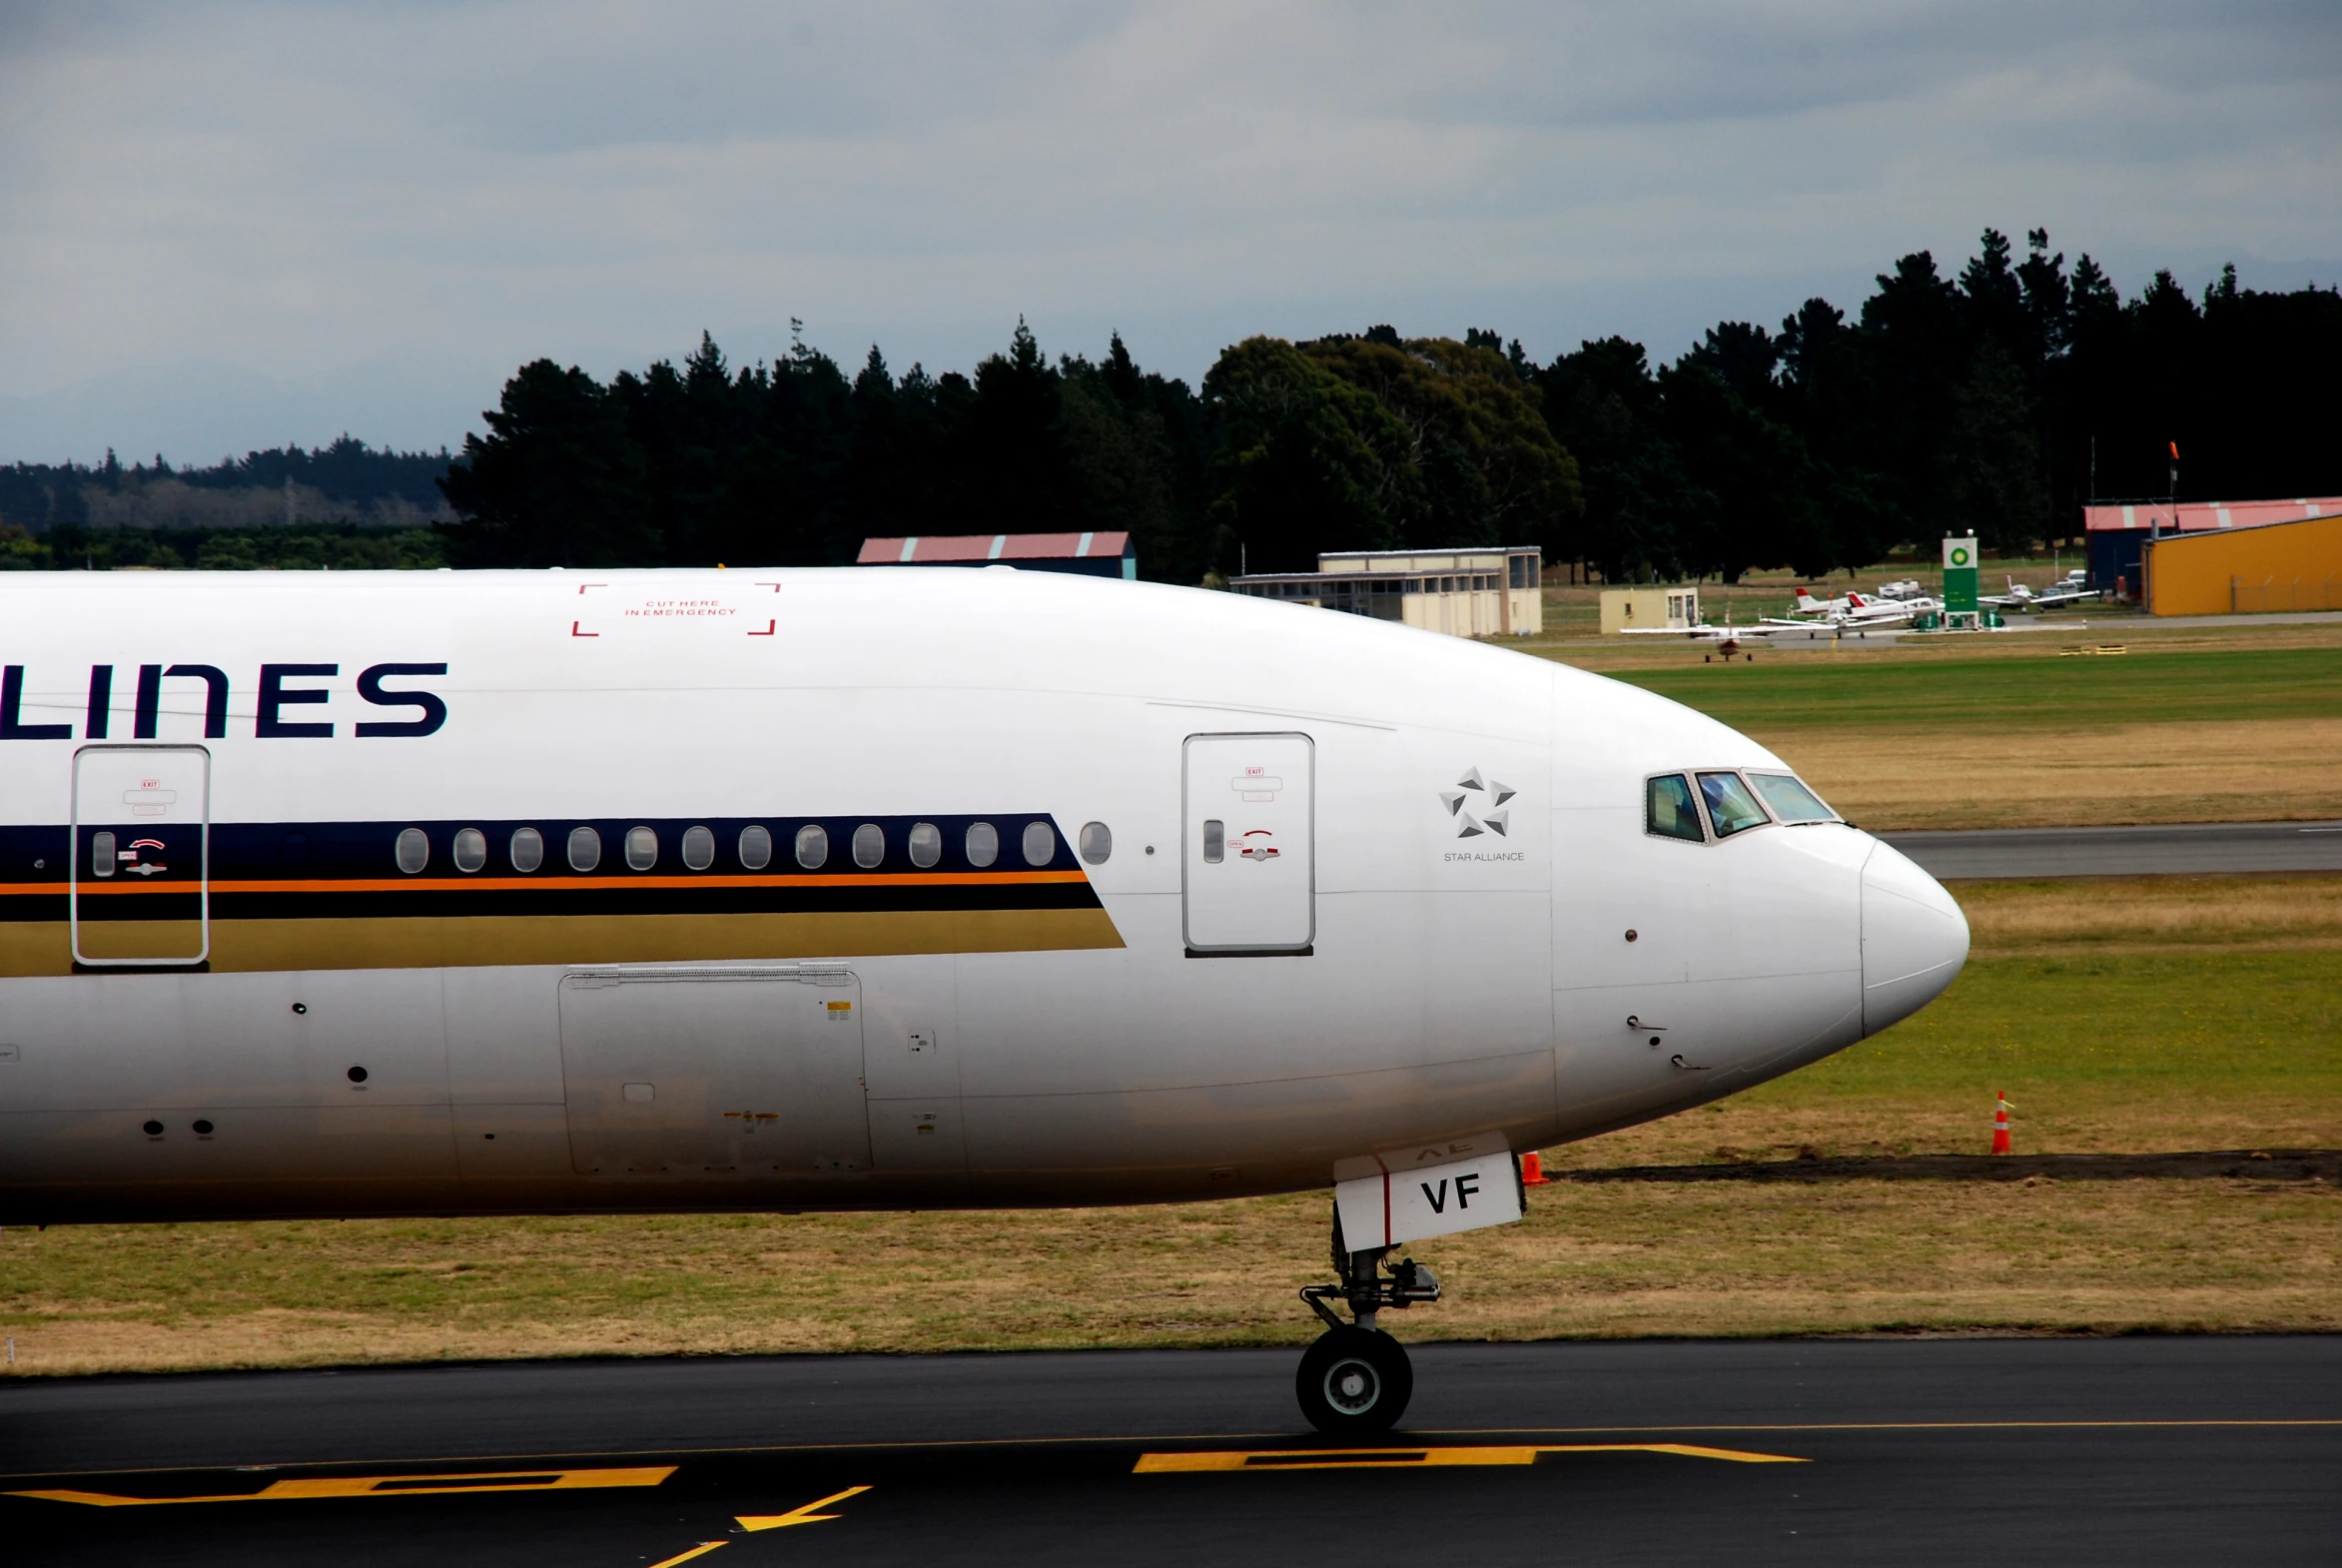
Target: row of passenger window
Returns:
[1672, 806]
[924, 843]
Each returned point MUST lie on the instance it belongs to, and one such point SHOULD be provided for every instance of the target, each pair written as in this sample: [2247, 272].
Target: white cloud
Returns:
[371, 213]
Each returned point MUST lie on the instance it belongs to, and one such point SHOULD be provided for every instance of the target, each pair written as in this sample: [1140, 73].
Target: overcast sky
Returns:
[229, 226]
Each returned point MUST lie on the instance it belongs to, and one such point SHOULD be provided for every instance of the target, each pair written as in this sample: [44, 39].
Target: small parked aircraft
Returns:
[2070, 590]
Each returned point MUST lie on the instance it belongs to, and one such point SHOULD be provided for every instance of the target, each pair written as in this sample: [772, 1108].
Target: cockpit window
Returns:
[1668, 811]
[1730, 805]
[1790, 799]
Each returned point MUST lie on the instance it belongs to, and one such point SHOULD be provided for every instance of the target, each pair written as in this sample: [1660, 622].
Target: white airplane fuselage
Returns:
[450, 893]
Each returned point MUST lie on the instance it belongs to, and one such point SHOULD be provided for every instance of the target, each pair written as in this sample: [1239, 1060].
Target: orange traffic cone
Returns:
[2000, 1110]
[1533, 1169]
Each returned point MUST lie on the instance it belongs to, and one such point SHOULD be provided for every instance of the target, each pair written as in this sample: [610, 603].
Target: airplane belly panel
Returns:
[724, 1075]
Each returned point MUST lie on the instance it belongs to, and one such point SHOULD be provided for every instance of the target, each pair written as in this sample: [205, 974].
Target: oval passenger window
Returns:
[528, 849]
[102, 854]
[1097, 842]
[414, 850]
[984, 844]
[472, 849]
[586, 849]
[756, 847]
[699, 848]
[870, 844]
[813, 845]
[1040, 844]
[643, 848]
[927, 844]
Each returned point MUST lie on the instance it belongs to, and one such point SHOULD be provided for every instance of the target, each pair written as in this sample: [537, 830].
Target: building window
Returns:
[756, 846]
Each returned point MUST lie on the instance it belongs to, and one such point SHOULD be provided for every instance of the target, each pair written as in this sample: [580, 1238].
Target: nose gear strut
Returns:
[1356, 1380]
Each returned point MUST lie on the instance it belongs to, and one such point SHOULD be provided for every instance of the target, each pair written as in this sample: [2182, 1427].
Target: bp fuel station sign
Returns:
[1959, 577]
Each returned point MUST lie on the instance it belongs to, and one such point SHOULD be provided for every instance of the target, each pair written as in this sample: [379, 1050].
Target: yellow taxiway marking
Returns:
[304, 1488]
[804, 1515]
[979, 1445]
[1426, 1459]
[701, 1550]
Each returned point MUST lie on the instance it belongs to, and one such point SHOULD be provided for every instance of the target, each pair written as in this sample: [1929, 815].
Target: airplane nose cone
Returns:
[1915, 939]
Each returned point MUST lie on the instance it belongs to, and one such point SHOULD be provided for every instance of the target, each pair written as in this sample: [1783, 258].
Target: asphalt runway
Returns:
[2131, 1451]
[2178, 848]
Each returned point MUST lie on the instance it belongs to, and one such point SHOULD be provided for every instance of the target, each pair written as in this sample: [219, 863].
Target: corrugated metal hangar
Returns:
[2251, 569]
[2118, 532]
[1488, 593]
[1098, 554]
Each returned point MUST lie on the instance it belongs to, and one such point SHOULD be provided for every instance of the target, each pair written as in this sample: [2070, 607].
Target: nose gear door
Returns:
[139, 894]
[1248, 844]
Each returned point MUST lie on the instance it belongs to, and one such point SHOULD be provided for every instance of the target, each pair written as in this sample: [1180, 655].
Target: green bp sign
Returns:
[1960, 576]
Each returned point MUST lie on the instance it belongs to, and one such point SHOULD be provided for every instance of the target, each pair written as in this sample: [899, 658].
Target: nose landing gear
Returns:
[1356, 1380]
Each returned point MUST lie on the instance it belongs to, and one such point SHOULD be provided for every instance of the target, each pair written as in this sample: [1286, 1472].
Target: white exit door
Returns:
[1248, 871]
[141, 891]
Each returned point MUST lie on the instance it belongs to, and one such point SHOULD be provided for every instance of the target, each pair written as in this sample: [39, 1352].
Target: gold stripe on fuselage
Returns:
[30, 947]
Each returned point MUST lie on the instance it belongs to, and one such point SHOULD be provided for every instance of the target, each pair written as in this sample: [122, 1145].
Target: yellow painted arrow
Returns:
[804, 1515]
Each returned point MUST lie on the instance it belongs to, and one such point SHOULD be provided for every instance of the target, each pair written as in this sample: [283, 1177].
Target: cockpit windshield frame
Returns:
[1730, 804]
[1783, 803]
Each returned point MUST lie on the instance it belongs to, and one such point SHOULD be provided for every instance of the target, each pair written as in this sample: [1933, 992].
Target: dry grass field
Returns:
[2131, 1021]
[2186, 725]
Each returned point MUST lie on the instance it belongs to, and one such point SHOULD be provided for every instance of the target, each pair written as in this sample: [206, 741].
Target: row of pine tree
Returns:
[1998, 399]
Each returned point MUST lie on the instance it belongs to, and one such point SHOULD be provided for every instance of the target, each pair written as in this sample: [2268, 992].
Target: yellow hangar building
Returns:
[2293, 565]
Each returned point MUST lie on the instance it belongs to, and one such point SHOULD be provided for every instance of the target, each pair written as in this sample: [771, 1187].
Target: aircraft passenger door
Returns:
[1247, 866]
[750, 1074]
[140, 845]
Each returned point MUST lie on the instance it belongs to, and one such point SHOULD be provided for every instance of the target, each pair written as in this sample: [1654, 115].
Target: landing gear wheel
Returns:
[1354, 1382]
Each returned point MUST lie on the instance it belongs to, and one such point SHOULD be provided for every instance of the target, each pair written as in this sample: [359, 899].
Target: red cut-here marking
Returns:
[768, 629]
[574, 632]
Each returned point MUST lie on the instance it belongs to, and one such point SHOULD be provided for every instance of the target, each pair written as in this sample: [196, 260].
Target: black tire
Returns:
[1354, 1382]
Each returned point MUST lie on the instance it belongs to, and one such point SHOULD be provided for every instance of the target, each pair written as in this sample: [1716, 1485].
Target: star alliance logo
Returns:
[1477, 804]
